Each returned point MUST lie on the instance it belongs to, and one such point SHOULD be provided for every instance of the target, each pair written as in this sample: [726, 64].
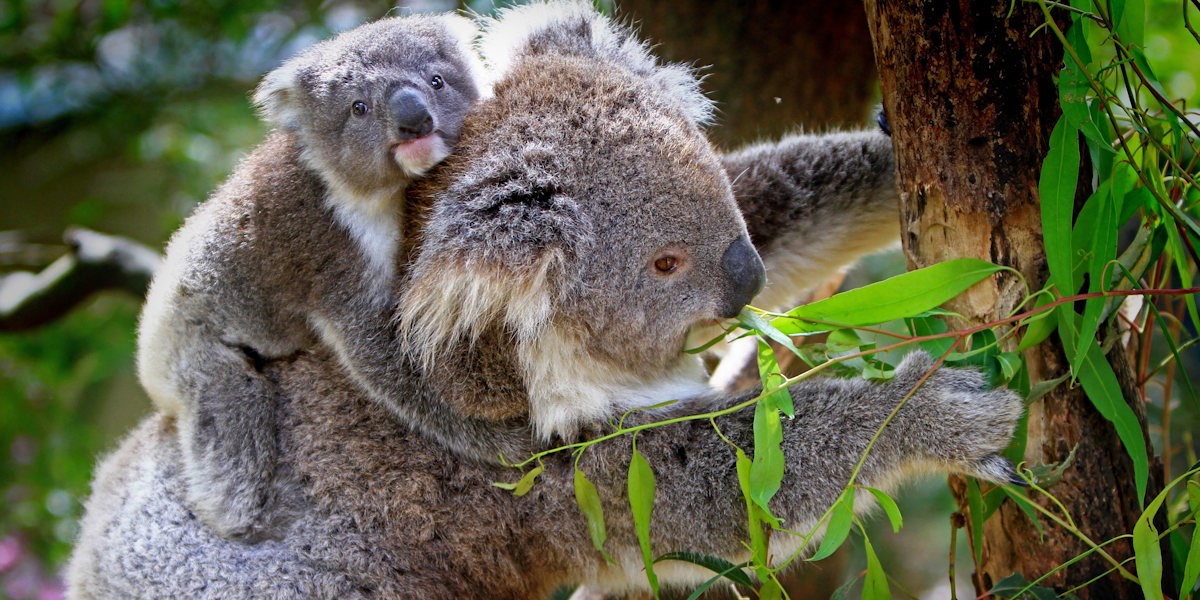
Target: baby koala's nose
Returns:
[410, 114]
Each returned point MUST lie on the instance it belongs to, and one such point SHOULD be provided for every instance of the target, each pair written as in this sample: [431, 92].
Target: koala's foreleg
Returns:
[364, 336]
[814, 204]
[952, 423]
[228, 437]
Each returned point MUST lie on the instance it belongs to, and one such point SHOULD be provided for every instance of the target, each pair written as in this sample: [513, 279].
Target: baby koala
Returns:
[298, 248]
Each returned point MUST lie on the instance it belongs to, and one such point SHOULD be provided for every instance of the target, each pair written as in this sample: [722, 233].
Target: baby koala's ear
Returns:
[277, 97]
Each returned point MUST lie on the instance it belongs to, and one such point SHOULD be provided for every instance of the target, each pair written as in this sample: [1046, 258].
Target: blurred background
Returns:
[120, 116]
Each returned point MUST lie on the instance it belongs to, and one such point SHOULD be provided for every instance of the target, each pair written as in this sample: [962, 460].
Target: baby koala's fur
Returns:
[299, 248]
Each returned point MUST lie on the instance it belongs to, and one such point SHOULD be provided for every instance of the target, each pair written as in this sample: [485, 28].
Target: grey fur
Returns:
[565, 188]
[299, 248]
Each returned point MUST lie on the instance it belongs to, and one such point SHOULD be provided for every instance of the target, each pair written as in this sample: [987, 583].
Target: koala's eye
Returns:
[437, 82]
[359, 108]
[666, 264]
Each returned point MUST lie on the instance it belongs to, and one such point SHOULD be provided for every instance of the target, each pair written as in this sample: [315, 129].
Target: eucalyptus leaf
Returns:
[1016, 586]
[720, 566]
[524, 484]
[1101, 387]
[895, 298]
[766, 470]
[838, 528]
[589, 504]
[875, 586]
[889, 507]
[641, 502]
[1056, 189]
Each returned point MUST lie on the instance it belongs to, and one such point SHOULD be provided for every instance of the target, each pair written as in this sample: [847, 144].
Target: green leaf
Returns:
[1016, 586]
[977, 513]
[1049, 475]
[754, 321]
[875, 586]
[1191, 568]
[1131, 22]
[1101, 387]
[843, 339]
[889, 506]
[1183, 269]
[720, 566]
[589, 504]
[1056, 188]
[844, 590]
[1103, 249]
[901, 296]
[1147, 556]
[523, 485]
[758, 543]
[1074, 89]
[769, 373]
[770, 590]
[1009, 363]
[1038, 327]
[641, 502]
[839, 526]
[766, 471]
[926, 326]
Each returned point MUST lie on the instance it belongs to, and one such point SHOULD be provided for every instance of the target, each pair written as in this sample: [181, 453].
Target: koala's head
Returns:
[585, 215]
[378, 105]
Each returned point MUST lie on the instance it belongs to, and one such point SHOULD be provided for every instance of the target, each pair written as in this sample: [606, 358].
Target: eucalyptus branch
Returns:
[1124, 145]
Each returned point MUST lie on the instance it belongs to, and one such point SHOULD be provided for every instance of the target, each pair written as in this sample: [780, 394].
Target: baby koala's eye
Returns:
[437, 82]
[359, 108]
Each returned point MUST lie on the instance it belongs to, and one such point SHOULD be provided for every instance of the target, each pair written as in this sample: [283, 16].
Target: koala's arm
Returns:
[363, 334]
[953, 423]
[814, 204]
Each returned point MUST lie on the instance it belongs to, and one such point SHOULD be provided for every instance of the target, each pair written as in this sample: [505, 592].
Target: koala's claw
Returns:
[882, 120]
[997, 469]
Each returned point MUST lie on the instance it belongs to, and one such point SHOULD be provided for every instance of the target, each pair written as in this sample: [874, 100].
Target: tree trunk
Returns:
[968, 88]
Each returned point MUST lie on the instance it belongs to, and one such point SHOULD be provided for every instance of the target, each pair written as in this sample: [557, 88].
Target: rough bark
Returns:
[771, 65]
[969, 90]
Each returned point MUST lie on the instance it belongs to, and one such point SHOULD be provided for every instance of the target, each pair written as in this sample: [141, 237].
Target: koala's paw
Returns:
[961, 424]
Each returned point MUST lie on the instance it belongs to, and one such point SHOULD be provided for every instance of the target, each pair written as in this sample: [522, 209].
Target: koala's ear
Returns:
[466, 33]
[574, 27]
[493, 255]
[277, 97]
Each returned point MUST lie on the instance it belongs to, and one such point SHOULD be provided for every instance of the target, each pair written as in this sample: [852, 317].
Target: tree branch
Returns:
[95, 262]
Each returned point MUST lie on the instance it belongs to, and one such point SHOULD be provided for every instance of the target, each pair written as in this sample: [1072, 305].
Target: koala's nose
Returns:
[746, 276]
[410, 114]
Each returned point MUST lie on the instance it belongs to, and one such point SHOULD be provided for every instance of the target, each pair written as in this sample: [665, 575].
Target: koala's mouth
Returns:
[418, 155]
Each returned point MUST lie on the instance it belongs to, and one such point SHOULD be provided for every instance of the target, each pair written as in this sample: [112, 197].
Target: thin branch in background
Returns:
[1187, 23]
[94, 262]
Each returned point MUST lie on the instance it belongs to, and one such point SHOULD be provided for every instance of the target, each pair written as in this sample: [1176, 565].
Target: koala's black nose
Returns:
[410, 114]
[746, 276]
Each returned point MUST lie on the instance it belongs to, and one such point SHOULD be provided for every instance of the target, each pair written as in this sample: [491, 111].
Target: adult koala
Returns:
[556, 264]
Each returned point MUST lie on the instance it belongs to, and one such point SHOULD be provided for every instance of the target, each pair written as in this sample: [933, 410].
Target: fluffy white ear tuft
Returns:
[276, 97]
[448, 303]
[573, 27]
[467, 33]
